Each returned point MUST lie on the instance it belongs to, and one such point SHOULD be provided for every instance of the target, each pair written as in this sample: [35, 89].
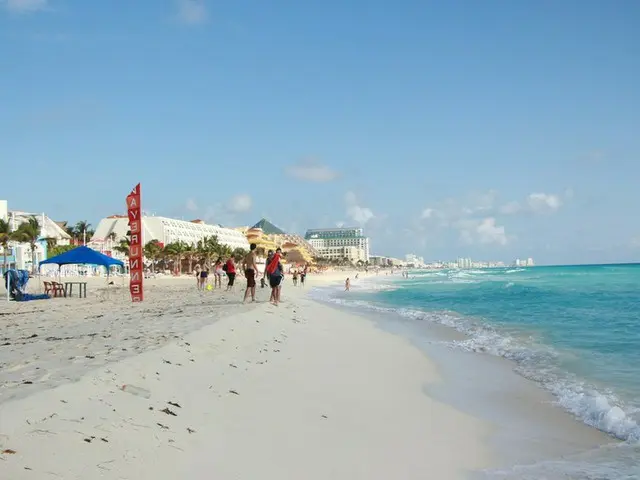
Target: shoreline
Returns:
[533, 436]
[295, 391]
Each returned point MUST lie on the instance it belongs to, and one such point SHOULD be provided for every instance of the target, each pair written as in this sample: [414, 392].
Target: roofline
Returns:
[333, 229]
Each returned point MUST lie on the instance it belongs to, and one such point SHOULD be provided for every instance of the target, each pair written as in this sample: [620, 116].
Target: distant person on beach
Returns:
[294, 277]
[204, 275]
[347, 284]
[270, 255]
[197, 273]
[250, 272]
[276, 273]
[267, 262]
[230, 268]
[217, 273]
[303, 275]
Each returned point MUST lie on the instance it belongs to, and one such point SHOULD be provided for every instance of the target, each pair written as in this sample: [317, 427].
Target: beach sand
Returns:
[235, 391]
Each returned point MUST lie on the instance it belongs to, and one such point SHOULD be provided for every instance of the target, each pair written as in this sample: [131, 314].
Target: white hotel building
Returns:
[164, 230]
[19, 254]
[339, 243]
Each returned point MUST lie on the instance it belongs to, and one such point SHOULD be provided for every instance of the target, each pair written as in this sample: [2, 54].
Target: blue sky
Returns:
[490, 129]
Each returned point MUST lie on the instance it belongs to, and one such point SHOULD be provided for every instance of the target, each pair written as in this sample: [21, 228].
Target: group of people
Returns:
[220, 269]
[273, 272]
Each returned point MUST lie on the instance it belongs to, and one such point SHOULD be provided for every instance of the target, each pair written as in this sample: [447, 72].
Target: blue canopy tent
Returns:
[83, 256]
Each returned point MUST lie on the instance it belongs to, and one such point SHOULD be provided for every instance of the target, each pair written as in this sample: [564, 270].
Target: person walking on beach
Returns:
[294, 277]
[267, 262]
[197, 272]
[250, 272]
[217, 273]
[230, 268]
[204, 275]
[303, 276]
[276, 273]
[347, 284]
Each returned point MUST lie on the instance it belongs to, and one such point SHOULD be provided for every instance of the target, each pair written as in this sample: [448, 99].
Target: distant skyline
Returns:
[489, 130]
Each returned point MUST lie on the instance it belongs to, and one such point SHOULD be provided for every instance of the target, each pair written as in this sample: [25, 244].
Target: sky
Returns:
[491, 130]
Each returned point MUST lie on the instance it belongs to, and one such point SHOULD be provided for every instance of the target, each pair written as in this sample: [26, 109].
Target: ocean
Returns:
[573, 330]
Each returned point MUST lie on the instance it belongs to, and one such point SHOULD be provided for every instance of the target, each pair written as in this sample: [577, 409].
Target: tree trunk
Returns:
[34, 258]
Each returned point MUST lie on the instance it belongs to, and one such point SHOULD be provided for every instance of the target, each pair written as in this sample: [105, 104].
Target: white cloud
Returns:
[25, 6]
[544, 202]
[192, 12]
[427, 213]
[360, 215]
[311, 171]
[191, 205]
[484, 231]
[537, 203]
[489, 232]
[240, 203]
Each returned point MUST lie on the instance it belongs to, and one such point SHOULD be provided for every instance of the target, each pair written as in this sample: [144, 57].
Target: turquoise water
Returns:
[575, 330]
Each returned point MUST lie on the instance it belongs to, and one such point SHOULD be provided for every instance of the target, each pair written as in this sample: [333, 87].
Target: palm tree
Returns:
[124, 244]
[153, 250]
[5, 237]
[207, 248]
[239, 253]
[82, 228]
[29, 232]
[189, 253]
[176, 250]
[71, 232]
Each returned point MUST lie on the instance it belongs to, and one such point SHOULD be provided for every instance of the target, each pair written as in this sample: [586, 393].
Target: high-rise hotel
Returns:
[340, 243]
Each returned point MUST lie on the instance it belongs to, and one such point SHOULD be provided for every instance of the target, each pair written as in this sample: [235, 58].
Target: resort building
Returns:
[378, 261]
[20, 254]
[524, 263]
[414, 261]
[340, 243]
[269, 237]
[112, 229]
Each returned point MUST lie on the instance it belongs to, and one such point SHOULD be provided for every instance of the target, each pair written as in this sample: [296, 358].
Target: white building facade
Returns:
[112, 229]
[340, 243]
[19, 254]
[414, 261]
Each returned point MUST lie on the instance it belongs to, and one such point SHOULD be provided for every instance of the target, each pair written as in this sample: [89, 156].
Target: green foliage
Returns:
[58, 250]
[239, 253]
[5, 237]
[29, 232]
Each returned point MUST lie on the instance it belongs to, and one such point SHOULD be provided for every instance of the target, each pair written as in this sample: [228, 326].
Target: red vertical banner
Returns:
[135, 247]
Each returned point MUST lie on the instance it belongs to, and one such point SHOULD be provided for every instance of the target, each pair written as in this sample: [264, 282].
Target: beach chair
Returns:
[48, 288]
[57, 289]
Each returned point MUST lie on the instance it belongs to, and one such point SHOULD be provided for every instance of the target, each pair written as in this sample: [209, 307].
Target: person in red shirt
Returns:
[231, 272]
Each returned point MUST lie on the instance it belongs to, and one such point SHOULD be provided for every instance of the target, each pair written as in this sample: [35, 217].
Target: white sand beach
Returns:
[234, 392]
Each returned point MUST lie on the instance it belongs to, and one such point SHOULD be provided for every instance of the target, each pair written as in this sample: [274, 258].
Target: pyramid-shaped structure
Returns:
[268, 227]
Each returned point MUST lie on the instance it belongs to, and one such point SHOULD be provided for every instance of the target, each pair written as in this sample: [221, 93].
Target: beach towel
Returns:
[18, 280]
[273, 265]
[28, 297]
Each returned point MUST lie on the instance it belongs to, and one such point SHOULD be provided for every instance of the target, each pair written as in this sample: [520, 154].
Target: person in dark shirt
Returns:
[231, 272]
